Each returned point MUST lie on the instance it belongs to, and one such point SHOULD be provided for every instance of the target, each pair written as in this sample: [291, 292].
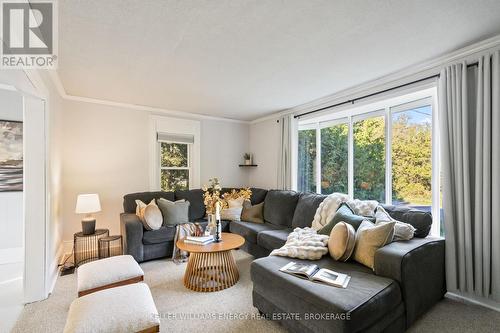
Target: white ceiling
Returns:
[246, 59]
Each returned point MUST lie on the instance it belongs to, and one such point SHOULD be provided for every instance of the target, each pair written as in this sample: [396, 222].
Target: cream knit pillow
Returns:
[369, 238]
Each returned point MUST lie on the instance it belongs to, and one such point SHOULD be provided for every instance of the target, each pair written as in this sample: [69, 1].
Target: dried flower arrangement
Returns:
[212, 196]
[244, 193]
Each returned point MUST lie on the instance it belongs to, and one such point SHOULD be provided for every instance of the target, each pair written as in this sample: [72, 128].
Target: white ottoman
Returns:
[127, 308]
[108, 273]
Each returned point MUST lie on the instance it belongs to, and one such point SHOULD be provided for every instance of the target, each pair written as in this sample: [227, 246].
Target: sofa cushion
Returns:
[273, 239]
[162, 235]
[249, 230]
[367, 298]
[306, 208]
[195, 198]
[258, 195]
[129, 204]
[279, 207]
[419, 219]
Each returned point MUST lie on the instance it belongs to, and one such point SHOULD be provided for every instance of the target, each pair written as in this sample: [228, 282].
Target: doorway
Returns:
[22, 196]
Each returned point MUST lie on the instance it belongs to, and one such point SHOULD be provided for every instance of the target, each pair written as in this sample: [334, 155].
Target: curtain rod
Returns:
[352, 101]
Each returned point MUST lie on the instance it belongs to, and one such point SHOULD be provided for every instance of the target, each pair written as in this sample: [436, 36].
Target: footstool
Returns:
[108, 273]
[127, 308]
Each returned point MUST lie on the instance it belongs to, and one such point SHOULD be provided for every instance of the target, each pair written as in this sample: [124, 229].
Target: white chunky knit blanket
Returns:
[327, 209]
[303, 243]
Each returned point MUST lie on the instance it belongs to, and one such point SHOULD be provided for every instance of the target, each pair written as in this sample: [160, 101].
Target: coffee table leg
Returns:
[211, 271]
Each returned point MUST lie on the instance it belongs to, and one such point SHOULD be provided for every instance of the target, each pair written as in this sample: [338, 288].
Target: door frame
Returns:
[36, 276]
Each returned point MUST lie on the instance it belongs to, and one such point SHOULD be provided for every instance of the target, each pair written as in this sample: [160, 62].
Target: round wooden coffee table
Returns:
[211, 267]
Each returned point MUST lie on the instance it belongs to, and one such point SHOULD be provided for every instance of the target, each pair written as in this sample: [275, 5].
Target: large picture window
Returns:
[334, 158]
[385, 152]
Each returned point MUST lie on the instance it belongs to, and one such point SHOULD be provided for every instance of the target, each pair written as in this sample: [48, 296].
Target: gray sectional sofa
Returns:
[407, 280]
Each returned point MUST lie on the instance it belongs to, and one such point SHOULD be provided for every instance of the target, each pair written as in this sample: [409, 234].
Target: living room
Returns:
[355, 139]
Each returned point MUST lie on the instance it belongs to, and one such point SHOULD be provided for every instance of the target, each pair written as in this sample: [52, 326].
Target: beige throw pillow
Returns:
[369, 238]
[233, 213]
[402, 231]
[253, 213]
[342, 241]
[150, 215]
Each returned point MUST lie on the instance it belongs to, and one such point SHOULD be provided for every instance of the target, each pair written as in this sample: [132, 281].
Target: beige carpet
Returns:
[180, 307]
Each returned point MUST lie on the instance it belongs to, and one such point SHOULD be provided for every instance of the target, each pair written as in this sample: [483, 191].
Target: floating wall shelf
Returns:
[248, 165]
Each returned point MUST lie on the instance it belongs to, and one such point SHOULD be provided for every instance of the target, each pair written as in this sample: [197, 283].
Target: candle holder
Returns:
[218, 232]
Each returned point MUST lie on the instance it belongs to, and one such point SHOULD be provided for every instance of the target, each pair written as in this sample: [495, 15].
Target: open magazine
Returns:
[313, 273]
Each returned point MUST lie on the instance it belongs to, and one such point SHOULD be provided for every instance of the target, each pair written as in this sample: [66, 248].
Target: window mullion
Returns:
[318, 159]
[350, 154]
[388, 156]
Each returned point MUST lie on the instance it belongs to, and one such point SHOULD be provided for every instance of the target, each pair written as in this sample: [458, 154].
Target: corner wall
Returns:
[264, 145]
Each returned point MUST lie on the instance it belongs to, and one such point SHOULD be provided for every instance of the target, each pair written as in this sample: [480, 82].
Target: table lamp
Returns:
[88, 204]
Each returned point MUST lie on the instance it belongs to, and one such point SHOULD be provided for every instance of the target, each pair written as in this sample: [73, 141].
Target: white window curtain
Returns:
[470, 147]
[288, 126]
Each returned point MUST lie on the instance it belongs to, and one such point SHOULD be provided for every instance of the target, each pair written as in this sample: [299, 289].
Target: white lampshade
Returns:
[87, 203]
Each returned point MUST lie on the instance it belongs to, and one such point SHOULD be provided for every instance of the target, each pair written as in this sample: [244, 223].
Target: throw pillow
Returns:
[402, 231]
[341, 242]
[174, 212]
[369, 238]
[233, 212]
[344, 214]
[150, 215]
[253, 213]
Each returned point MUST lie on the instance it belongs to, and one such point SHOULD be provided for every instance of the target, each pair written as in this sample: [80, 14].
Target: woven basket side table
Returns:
[86, 247]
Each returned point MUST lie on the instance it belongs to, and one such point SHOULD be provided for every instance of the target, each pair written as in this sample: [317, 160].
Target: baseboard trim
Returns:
[469, 299]
[54, 269]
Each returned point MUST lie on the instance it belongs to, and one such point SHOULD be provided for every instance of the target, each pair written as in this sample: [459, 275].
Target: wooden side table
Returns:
[86, 247]
[211, 267]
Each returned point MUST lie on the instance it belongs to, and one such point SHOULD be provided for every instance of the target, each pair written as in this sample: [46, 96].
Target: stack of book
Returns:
[201, 240]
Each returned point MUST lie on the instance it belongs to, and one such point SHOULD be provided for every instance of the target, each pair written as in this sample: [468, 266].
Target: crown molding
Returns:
[54, 76]
[407, 74]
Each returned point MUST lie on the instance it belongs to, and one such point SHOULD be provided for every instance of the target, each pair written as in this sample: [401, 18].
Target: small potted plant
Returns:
[248, 158]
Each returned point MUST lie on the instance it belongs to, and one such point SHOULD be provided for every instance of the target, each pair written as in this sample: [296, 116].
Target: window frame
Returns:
[164, 124]
[385, 107]
[189, 167]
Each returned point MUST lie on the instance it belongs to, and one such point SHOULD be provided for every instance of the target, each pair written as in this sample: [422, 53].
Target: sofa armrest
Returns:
[418, 265]
[132, 232]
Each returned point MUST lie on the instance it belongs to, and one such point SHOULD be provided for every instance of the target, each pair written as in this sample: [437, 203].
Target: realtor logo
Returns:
[29, 34]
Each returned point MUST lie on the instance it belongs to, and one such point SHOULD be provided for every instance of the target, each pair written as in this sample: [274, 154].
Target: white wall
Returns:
[222, 147]
[106, 151]
[11, 203]
[264, 144]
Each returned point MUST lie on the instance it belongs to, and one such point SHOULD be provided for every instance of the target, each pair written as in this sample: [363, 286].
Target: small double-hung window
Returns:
[175, 161]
